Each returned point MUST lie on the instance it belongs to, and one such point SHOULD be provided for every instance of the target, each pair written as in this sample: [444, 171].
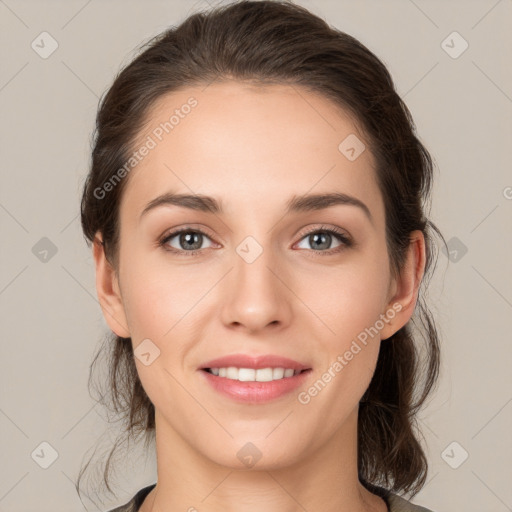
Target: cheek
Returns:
[348, 299]
[157, 293]
[348, 342]
[348, 302]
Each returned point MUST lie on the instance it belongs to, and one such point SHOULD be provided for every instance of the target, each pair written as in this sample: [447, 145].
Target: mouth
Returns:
[253, 380]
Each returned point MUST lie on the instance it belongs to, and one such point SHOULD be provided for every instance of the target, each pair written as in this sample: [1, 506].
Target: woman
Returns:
[256, 209]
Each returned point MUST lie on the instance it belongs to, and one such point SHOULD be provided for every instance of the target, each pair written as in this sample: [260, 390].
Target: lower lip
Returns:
[255, 392]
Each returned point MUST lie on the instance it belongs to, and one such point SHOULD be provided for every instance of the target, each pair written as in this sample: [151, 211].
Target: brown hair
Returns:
[279, 42]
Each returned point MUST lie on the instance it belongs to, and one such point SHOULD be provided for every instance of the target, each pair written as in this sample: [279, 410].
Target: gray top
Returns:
[394, 502]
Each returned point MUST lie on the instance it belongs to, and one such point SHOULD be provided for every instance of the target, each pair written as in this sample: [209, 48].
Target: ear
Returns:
[107, 288]
[404, 290]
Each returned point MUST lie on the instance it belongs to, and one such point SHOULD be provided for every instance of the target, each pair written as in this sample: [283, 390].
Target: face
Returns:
[253, 277]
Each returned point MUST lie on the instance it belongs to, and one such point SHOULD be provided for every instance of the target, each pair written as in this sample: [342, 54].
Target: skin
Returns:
[253, 149]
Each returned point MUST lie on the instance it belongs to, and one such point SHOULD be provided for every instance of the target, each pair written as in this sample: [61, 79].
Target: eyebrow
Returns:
[297, 204]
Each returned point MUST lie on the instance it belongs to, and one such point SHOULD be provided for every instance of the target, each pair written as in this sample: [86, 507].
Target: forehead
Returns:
[252, 146]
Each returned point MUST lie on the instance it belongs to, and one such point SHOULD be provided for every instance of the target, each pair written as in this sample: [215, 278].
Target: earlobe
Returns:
[406, 287]
[108, 291]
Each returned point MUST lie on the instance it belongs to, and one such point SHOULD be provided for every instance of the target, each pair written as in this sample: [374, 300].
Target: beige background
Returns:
[52, 322]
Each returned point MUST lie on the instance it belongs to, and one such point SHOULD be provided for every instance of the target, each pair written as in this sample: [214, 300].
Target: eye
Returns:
[321, 238]
[188, 241]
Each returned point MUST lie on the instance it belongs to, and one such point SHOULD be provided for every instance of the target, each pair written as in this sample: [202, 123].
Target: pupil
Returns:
[317, 236]
[188, 238]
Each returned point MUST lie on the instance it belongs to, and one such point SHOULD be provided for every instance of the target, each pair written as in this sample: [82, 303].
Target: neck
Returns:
[323, 479]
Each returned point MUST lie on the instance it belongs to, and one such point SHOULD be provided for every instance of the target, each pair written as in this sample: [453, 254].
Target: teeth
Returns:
[251, 375]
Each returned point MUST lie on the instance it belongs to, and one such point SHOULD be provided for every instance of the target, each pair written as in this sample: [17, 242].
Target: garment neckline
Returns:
[142, 494]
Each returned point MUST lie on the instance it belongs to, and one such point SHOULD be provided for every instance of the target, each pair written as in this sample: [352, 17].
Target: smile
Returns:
[252, 374]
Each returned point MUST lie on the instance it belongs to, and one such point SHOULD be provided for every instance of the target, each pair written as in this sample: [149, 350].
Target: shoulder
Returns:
[134, 504]
[399, 504]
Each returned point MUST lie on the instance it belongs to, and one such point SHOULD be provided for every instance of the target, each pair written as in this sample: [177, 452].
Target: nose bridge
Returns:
[256, 297]
[253, 261]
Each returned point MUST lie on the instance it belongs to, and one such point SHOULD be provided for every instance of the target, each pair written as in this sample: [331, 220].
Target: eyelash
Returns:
[345, 241]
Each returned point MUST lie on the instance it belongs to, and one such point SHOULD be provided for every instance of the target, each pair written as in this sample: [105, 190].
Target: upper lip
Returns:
[256, 362]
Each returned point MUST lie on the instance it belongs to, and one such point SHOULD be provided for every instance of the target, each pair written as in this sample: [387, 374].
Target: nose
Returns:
[255, 295]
